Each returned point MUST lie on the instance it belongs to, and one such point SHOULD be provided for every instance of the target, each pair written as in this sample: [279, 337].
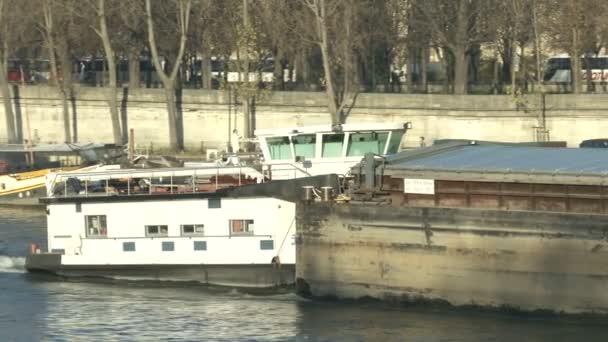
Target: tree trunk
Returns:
[537, 47]
[411, 63]
[113, 103]
[9, 116]
[514, 67]
[111, 91]
[575, 70]
[459, 48]
[65, 88]
[424, 57]
[329, 85]
[460, 70]
[278, 75]
[172, 116]
[495, 73]
[50, 42]
[169, 80]
[134, 69]
[206, 69]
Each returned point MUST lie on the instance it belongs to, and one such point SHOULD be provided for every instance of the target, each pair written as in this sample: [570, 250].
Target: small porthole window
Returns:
[168, 246]
[266, 244]
[128, 246]
[214, 203]
[200, 245]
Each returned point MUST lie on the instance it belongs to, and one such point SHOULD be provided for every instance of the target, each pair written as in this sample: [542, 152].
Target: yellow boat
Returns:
[23, 169]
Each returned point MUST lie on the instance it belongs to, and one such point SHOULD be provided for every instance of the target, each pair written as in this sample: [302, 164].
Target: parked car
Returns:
[597, 143]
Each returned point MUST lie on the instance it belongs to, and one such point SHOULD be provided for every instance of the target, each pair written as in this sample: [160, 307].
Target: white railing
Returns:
[132, 182]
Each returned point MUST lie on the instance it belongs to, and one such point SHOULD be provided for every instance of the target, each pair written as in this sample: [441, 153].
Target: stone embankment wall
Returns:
[206, 118]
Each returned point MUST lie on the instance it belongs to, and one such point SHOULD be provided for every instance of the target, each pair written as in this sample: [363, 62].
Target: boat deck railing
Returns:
[150, 182]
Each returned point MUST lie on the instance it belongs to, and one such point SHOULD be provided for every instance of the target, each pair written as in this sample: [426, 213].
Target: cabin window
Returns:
[160, 230]
[58, 251]
[394, 142]
[200, 245]
[241, 227]
[78, 207]
[128, 246]
[279, 147]
[96, 225]
[304, 145]
[332, 145]
[2, 186]
[168, 246]
[193, 229]
[214, 203]
[366, 142]
[266, 244]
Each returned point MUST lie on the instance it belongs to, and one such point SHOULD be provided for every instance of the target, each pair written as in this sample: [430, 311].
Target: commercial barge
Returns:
[491, 225]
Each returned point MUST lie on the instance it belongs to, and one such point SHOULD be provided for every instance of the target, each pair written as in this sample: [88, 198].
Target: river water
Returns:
[45, 308]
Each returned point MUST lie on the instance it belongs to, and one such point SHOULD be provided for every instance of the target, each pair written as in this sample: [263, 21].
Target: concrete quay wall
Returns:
[206, 118]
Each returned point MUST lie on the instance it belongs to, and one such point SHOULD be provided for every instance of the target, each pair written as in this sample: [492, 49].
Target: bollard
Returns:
[327, 193]
[307, 193]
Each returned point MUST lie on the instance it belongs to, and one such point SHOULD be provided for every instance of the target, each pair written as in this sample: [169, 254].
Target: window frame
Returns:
[367, 136]
[194, 229]
[247, 223]
[270, 142]
[294, 143]
[102, 227]
[343, 145]
[160, 233]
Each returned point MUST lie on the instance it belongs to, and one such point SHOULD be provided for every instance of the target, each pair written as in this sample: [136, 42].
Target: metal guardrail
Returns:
[152, 180]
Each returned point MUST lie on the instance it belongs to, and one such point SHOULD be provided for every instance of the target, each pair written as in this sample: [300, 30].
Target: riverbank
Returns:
[207, 117]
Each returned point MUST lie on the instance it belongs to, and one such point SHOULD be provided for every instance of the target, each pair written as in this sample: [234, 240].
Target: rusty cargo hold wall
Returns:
[504, 195]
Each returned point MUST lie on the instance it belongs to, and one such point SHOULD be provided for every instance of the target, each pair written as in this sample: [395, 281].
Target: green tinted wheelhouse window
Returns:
[304, 145]
[360, 143]
[279, 148]
[332, 145]
[395, 142]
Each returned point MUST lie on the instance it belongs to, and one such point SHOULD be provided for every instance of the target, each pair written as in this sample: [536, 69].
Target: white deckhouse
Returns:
[226, 225]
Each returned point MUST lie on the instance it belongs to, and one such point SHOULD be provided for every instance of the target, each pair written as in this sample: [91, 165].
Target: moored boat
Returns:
[231, 225]
[23, 169]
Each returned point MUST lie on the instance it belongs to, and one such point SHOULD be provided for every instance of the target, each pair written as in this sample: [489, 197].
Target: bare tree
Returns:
[168, 80]
[575, 26]
[6, 95]
[334, 32]
[101, 29]
[62, 33]
[458, 25]
[132, 37]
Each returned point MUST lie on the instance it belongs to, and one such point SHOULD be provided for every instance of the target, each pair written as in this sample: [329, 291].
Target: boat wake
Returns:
[12, 264]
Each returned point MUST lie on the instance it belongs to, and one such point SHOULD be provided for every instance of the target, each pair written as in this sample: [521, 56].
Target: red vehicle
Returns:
[17, 71]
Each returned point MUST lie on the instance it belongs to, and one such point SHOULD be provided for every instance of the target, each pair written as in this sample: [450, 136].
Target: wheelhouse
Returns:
[318, 150]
